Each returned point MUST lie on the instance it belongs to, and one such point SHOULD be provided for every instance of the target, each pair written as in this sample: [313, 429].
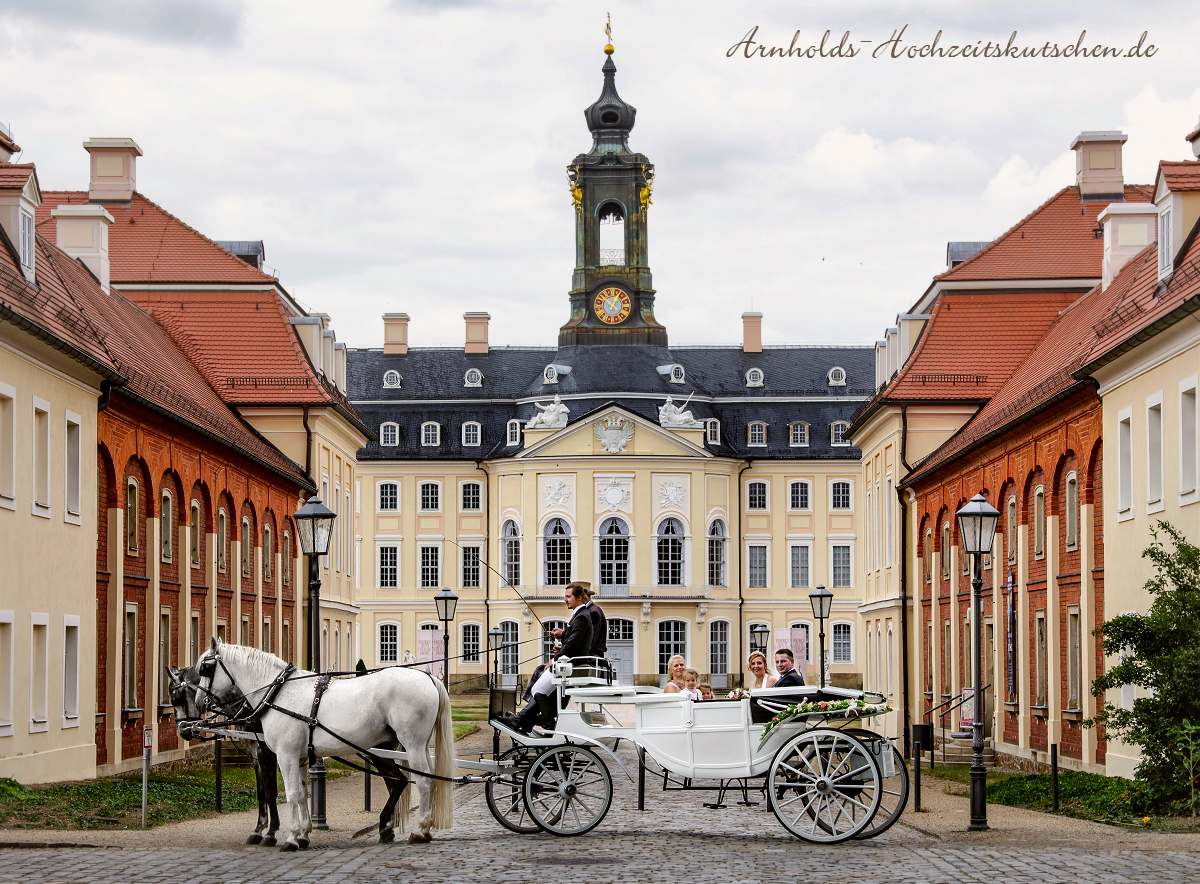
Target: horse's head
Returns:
[214, 690]
[184, 685]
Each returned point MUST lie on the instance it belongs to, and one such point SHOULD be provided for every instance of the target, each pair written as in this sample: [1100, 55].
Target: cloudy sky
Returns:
[409, 154]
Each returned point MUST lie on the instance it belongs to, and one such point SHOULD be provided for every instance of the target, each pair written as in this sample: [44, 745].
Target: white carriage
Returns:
[825, 777]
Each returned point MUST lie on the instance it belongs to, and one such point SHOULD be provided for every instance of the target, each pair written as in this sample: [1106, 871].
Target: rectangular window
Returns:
[798, 495]
[285, 640]
[73, 452]
[194, 533]
[1188, 431]
[757, 562]
[388, 642]
[799, 563]
[130, 679]
[946, 658]
[266, 635]
[431, 499]
[166, 519]
[430, 567]
[71, 671]
[1154, 466]
[472, 496]
[1072, 514]
[164, 655]
[1074, 659]
[1165, 252]
[712, 431]
[389, 565]
[841, 575]
[757, 432]
[891, 542]
[470, 642]
[1039, 523]
[839, 496]
[470, 566]
[39, 664]
[7, 650]
[1125, 464]
[1040, 653]
[194, 639]
[1012, 530]
[244, 631]
[41, 456]
[389, 497]
[756, 496]
[843, 643]
[286, 559]
[470, 434]
[8, 443]
[798, 435]
[25, 240]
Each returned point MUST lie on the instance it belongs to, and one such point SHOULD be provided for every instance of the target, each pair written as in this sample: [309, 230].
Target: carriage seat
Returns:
[584, 672]
[765, 703]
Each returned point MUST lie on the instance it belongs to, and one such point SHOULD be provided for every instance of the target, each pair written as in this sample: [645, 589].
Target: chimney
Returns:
[395, 334]
[751, 332]
[1193, 138]
[1098, 170]
[339, 365]
[477, 332]
[1128, 228]
[113, 168]
[82, 232]
[328, 339]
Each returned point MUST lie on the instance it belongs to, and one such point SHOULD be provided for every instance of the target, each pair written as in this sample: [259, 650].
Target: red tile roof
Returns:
[149, 244]
[13, 176]
[7, 143]
[1181, 176]
[1055, 241]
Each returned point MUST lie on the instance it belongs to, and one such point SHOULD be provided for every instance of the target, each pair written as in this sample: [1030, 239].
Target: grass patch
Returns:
[469, 712]
[464, 729]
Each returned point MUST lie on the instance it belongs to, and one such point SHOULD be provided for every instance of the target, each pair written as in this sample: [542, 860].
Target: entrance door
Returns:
[620, 648]
[429, 648]
[718, 654]
[510, 654]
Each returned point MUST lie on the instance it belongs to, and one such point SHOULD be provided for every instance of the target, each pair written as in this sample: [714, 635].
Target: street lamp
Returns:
[977, 529]
[758, 637]
[446, 602]
[822, 603]
[495, 636]
[314, 525]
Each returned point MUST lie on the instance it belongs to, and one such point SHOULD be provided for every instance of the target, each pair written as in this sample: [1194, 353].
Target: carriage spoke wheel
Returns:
[568, 790]
[893, 798]
[505, 795]
[824, 786]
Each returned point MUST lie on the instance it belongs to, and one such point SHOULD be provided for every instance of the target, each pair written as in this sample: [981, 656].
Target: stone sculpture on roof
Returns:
[676, 416]
[552, 416]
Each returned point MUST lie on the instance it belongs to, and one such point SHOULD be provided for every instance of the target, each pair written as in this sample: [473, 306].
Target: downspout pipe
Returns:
[904, 643]
[741, 595]
[308, 439]
[106, 388]
[487, 587]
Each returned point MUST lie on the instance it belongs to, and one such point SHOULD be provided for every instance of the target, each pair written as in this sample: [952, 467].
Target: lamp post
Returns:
[446, 602]
[495, 636]
[758, 637]
[977, 528]
[822, 603]
[314, 524]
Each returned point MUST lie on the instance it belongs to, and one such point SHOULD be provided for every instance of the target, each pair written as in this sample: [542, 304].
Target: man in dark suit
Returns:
[789, 675]
[599, 624]
[576, 642]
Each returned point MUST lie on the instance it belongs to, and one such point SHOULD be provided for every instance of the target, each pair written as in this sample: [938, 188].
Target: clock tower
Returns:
[612, 294]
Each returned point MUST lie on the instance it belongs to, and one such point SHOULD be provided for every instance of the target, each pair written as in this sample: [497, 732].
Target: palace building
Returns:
[700, 490]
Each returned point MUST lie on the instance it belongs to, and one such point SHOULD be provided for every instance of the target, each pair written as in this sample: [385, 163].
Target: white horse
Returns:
[384, 709]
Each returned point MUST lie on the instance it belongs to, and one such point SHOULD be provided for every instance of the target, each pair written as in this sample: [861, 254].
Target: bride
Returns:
[760, 675]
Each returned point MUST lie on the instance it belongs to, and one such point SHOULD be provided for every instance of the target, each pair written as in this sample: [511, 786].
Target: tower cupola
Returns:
[610, 117]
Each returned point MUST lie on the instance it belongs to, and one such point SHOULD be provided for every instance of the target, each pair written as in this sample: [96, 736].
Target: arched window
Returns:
[756, 434]
[756, 496]
[837, 433]
[557, 553]
[677, 374]
[946, 551]
[798, 434]
[133, 515]
[1012, 530]
[669, 552]
[837, 376]
[839, 495]
[712, 431]
[612, 235]
[473, 378]
[514, 432]
[268, 551]
[547, 639]
[717, 538]
[222, 540]
[1039, 522]
[718, 653]
[431, 434]
[672, 640]
[472, 434]
[1072, 514]
[389, 642]
[510, 653]
[389, 497]
[389, 434]
[166, 518]
[614, 553]
[194, 533]
[431, 497]
[754, 377]
[247, 546]
[391, 379]
[287, 558]
[928, 555]
[510, 552]
[550, 375]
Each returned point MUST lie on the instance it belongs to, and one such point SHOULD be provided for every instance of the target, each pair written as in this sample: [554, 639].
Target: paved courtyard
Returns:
[675, 839]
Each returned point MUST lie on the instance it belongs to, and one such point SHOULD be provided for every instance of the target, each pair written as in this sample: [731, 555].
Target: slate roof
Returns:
[432, 389]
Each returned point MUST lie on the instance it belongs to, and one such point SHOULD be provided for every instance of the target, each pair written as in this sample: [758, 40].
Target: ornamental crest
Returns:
[557, 492]
[671, 495]
[614, 433]
[613, 494]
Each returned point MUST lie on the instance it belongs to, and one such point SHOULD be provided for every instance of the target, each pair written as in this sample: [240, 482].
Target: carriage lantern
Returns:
[495, 640]
[758, 637]
[446, 603]
[314, 524]
[977, 529]
[822, 603]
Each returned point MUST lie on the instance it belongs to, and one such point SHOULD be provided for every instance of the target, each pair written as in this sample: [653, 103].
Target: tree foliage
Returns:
[1158, 651]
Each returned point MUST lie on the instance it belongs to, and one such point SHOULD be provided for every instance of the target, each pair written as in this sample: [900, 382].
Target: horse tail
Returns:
[445, 762]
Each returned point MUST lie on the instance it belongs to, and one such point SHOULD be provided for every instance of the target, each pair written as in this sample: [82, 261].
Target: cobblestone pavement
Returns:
[675, 839]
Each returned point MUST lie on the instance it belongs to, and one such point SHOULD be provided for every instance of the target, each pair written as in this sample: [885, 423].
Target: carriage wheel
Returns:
[506, 796]
[568, 790]
[893, 799]
[824, 786]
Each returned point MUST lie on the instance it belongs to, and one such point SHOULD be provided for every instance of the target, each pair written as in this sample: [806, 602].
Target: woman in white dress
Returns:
[760, 676]
[676, 667]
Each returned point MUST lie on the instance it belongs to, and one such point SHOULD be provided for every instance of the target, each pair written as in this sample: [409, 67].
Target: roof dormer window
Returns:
[837, 433]
[1166, 253]
[677, 374]
[514, 432]
[756, 434]
[754, 377]
[391, 379]
[26, 240]
[798, 434]
[431, 434]
[837, 376]
[473, 378]
[550, 375]
[389, 434]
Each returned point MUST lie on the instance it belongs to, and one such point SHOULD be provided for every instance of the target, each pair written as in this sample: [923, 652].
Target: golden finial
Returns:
[609, 49]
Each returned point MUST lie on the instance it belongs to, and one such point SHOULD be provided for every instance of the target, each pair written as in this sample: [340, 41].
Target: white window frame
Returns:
[379, 486]
[41, 458]
[384, 429]
[549, 375]
[833, 626]
[722, 544]
[1155, 491]
[476, 545]
[684, 538]
[1071, 511]
[71, 682]
[807, 545]
[462, 487]
[247, 548]
[1125, 465]
[421, 508]
[166, 513]
[677, 374]
[73, 469]
[765, 543]
[473, 377]
[761, 427]
[25, 237]
[129, 667]
[792, 483]
[380, 546]
[755, 377]
[798, 434]
[1074, 659]
[467, 657]
[431, 434]
[7, 668]
[766, 507]
[836, 376]
[469, 426]
[1189, 440]
[889, 520]
[132, 542]
[504, 541]
[1039, 522]
[513, 433]
[712, 431]
[392, 379]
[379, 642]
[841, 541]
[436, 546]
[8, 446]
[834, 426]
[838, 509]
[1166, 256]
[268, 550]
[39, 724]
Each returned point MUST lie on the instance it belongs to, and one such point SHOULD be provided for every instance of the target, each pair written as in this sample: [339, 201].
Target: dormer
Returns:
[1177, 201]
[673, 372]
[554, 372]
[1128, 228]
[20, 197]
[81, 230]
[836, 377]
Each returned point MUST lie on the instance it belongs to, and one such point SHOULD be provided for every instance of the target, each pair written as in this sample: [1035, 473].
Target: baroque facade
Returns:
[701, 490]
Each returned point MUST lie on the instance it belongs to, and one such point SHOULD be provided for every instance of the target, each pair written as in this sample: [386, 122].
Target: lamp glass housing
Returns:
[495, 637]
[314, 525]
[977, 525]
[822, 602]
[446, 602]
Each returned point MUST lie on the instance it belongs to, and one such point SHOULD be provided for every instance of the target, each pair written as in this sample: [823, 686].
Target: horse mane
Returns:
[261, 664]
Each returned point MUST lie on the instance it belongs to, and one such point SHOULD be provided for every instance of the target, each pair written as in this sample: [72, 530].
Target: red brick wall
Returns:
[1096, 497]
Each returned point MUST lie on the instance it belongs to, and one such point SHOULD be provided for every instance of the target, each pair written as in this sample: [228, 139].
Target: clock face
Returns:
[612, 305]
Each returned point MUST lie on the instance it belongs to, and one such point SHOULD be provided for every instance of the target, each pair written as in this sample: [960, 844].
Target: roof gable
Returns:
[582, 438]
